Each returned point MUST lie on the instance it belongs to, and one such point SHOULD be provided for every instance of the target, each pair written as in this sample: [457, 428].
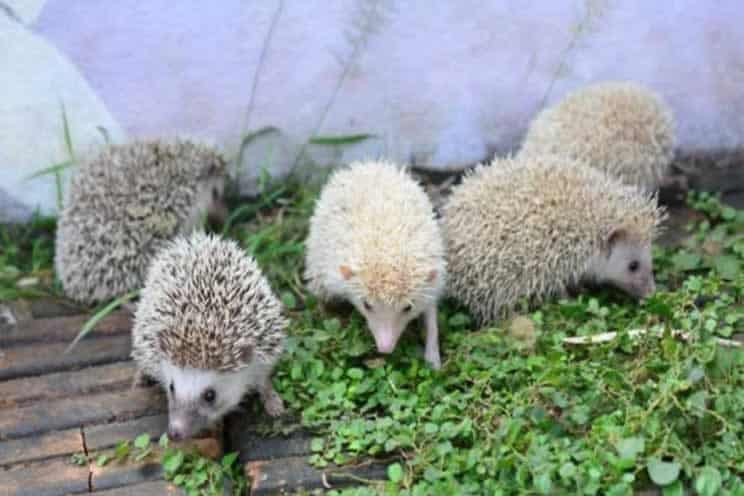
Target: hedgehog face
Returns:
[387, 318]
[628, 266]
[197, 399]
[210, 199]
[387, 321]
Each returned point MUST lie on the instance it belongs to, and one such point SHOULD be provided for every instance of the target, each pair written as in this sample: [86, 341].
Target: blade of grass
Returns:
[52, 169]
[66, 130]
[104, 132]
[248, 138]
[350, 139]
[58, 187]
[267, 200]
[7, 294]
[236, 214]
[100, 315]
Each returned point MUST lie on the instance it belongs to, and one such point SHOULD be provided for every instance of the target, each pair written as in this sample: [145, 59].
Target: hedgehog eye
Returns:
[407, 308]
[633, 266]
[367, 306]
[172, 388]
[209, 396]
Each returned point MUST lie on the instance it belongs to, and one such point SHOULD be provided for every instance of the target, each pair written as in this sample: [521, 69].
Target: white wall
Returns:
[439, 83]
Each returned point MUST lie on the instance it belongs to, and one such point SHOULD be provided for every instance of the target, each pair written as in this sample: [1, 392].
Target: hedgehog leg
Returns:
[432, 338]
[272, 402]
[130, 306]
[139, 379]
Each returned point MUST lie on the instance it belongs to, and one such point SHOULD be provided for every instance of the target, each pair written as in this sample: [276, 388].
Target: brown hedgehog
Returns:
[209, 329]
[534, 226]
[121, 207]
[622, 128]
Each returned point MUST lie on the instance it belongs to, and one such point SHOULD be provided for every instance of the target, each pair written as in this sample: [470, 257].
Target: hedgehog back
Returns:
[619, 127]
[530, 227]
[120, 208]
[206, 305]
[374, 218]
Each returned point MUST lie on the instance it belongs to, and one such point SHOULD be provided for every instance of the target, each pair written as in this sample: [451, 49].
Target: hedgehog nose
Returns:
[651, 288]
[385, 343]
[648, 289]
[385, 348]
[175, 434]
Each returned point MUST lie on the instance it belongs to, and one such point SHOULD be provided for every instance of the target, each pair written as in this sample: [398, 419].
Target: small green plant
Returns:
[194, 473]
[200, 476]
[27, 252]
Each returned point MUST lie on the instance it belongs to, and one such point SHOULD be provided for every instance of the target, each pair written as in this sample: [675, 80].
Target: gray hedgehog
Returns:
[374, 241]
[121, 207]
[208, 329]
[622, 128]
[535, 226]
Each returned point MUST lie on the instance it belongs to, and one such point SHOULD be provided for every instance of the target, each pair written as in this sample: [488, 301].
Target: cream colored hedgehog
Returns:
[534, 226]
[122, 205]
[209, 329]
[374, 241]
[619, 127]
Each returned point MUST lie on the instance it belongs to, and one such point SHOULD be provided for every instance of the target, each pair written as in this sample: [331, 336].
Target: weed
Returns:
[194, 473]
[27, 251]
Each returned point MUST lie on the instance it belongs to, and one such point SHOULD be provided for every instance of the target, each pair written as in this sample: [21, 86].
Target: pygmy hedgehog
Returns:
[619, 127]
[208, 329]
[123, 204]
[536, 226]
[374, 241]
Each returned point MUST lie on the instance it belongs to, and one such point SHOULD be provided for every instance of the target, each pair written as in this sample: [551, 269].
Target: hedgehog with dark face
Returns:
[537, 225]
[124, 204]
[208, 329]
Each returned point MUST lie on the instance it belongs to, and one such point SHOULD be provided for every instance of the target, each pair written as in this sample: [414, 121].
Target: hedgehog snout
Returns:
[176, 431]
[185, 424]
[385, 340]
[649, 288]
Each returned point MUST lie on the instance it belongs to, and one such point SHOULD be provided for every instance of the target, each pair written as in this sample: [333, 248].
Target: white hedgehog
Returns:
[619, 127]
[535, 226]
[123, 204]
[208, 329]
[374, 241]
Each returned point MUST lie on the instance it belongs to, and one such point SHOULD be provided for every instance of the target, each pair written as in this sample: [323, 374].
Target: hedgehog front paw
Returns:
[141, 380]
[434, 360]
[273, 403]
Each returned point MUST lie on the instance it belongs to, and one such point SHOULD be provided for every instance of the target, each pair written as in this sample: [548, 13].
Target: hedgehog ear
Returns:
[432, 275]
[345, 271]
[246, 354]
[616, 236]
